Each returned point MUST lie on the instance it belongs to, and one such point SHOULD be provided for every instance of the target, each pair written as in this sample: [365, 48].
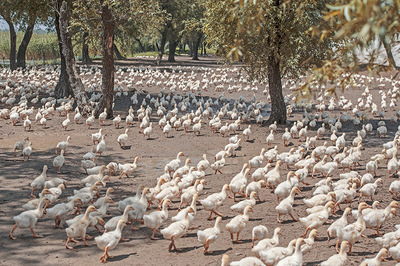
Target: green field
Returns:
[41, 47]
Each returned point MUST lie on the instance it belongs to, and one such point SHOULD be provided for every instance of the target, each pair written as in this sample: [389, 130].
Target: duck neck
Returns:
[387, 210]
[298, 249]
[223, 192]
[86, 215]
[125, 214]
[292, 193]
[40, 207]
[193, 204]
[103, 207]
[165, 209]
[216, 225]
[119, 227]
[380, 255]
[71, 204]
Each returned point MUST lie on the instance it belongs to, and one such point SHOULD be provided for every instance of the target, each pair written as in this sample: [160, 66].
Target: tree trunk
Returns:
[117, 53]
[107, 98]
[196, 47]
[157, 47]
[68, 52]
[63, 87]
[172, 48]
[190, 44]
[142, 49]
[204, 46]
[278, 107]
[13, 43]
[85, 49]
[162, 47]
[24, 44]
[388, 48]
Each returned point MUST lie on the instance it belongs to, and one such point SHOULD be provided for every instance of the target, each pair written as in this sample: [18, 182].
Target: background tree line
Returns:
[274, 39]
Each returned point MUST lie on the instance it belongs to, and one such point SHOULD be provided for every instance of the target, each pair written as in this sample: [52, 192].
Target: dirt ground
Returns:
[16, 176]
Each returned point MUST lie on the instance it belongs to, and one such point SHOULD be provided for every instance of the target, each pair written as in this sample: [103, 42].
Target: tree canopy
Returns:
[260, 32]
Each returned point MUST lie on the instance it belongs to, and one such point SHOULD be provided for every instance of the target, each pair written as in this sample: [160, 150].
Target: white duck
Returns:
[286, 205]
[316, 220]
[376, 218]
[174, 164]
[154, 219]
[273, 176]
[338, 259]
[58, 162]
[28, 219]
[240, 206]
[113, 222]
[176, 230]
[78, 229]
[258, 232]
[256, 161]
[353, 232]
[38, 182]
[272, 255]
[63, 145]
[209, 235]
[101, 146]
[96, 137]
[123, 138]
[296, 258]
[255, 186]
[369, 189]
[338, 225]
[60, 210]
[267, 242]
[128, 168]
[377, 260]
[109, 240]
[286, 137]
[238, 223]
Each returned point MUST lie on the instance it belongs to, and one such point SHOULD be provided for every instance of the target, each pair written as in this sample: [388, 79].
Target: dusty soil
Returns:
[16, 175]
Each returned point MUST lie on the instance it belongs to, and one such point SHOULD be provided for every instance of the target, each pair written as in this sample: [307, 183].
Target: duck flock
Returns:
[187, 160]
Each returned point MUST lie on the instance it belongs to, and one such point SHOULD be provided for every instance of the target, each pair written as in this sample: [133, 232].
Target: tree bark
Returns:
[196, 47]
[172, 48]
[118, 53]
[162, 47]
[142, 49]
[388, 48]
[85, 49]
[24, 44]
[63, 87]
[107, 98]
[190, 44]
[278, 107]
[13, 43]
[68, 52]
